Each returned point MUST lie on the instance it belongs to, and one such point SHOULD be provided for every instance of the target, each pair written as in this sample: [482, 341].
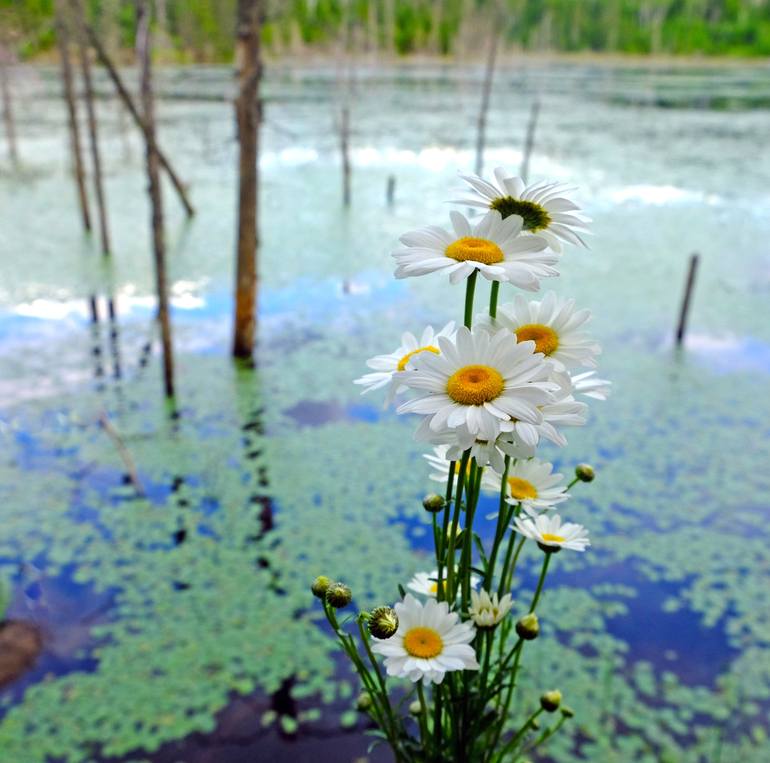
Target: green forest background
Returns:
[202, 30]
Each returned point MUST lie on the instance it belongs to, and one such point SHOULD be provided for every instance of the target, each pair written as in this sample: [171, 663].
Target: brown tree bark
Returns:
[154, 189]
[93, 131]
[247, 112]
[5, 95]
[125, 96]
[529, 142]
[62, 41]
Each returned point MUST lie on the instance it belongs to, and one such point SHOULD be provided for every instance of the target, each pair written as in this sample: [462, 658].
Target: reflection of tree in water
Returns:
[21, 643]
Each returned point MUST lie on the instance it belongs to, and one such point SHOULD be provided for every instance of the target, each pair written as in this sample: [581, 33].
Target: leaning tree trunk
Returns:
[5, 95]
[247, 115]
[62, 40]
[156, 198]
[486, 90]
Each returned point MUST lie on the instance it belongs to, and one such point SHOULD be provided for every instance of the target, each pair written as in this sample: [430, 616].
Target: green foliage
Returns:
[202, 30]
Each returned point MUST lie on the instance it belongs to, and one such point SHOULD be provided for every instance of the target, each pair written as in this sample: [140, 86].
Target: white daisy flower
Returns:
[426, 584]
[487, 611]
[492, 246]
[543, 207]
[553, 325]
[430, 641]
[551, 534]
[388, 368]
[589, 385]
[480, 381]
[562, 411]
[530, 483]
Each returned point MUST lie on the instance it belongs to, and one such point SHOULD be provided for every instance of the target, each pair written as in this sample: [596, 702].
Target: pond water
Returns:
[178, 625]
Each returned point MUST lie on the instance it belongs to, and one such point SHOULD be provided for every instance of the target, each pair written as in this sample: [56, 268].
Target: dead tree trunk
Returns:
[5, 94]
[345, 151]
[93, 131]
[486, 90]
[125, 96]
[247, 115]
[62, 40]
[156, 198]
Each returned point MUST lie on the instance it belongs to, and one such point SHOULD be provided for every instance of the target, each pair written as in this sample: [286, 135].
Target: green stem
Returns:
[441, 545]
[424, 738]
[511, 745]
[493, 294]
[450, 557]
[378, 673]
[466, 559]
[470, 288]
[502, 522]
[540, 582]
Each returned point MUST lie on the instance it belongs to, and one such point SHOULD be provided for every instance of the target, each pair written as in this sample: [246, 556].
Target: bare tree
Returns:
[529, 142]
[62, 40]
[154, 189]
[5, 94]
[93, 131]
[247, 113]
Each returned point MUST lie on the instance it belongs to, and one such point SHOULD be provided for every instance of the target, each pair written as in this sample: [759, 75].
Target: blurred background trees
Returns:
[202, 30]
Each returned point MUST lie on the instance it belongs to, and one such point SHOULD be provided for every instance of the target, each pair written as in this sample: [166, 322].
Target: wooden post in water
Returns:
[5, 95]
[125, 96]
[93, 131]
[391, 192]
[530, 140]
[345, 153]
[486, 90]
[62, 41]
[247, 113]
[154, 189]
[682, 327]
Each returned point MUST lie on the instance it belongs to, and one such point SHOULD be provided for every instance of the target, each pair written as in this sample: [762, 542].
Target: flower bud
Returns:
[364, 701]
[319, 586]
[528, 627]
[567, 711]
[585, 473]
[534, 724]
[550, 701]
[415, 708]
[433, 502]
[338, 595]
[383, 622]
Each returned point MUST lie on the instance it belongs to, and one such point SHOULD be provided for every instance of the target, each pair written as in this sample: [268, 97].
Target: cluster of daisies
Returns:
[497, 388]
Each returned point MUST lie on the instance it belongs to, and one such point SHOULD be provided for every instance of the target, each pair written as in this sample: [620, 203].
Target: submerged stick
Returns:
[128, 101]
[62, 41]
[125, 455]
[682, 327]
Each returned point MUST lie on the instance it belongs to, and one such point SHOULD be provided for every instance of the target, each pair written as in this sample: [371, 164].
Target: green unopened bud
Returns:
[550, 701]
[585, 473]
[320, 585]
[338, 595]
[433, 502]
[415, 708]
[534, 724]
[364, 701]
[567, 711]
[528, 627]
[383, 622]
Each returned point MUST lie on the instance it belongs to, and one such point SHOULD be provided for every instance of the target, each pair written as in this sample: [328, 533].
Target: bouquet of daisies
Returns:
[487, 394]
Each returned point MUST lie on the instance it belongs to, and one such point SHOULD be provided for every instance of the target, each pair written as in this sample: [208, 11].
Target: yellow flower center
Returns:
[553, 538]
[476, 249]
[475, 385]
[545, 338]
[521, 489]
[423, 643]
[433, 586]
[409, 355]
